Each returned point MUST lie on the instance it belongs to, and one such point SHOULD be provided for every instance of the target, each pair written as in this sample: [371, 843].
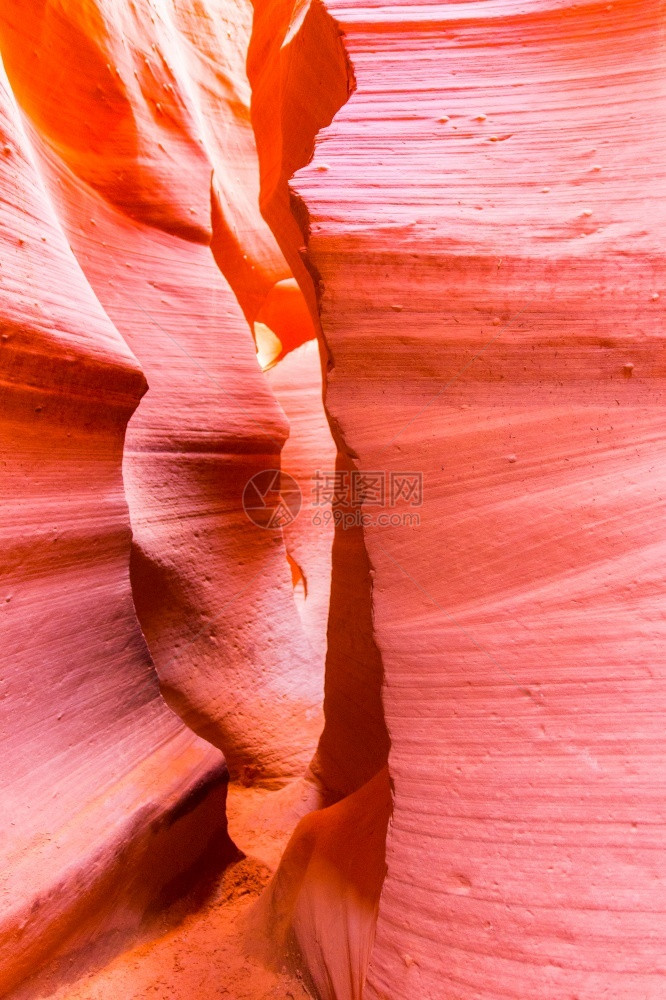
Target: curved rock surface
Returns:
[213, 592]
[308, 455]
[490, 250]
[322, 904]
[478, 246]
[99, 779]
[114, 238]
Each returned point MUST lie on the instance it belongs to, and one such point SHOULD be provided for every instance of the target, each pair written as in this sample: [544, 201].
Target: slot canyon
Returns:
[333, 450]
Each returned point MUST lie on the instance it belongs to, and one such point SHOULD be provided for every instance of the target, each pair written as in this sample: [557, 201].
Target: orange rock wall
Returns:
[490, 244]
[478, 245]
[136, 260]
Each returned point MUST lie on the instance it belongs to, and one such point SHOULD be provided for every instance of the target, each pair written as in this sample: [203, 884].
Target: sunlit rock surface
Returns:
[100, 780]
[477, 245]
[489, 239]
[136, 258]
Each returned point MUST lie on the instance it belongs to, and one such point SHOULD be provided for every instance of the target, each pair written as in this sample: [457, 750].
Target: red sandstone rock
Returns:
[100, 781]
[484, 249]
[213, 592]
[309, 456]
[110, 797]
[322, 904]
[149, 108]
[489, 244]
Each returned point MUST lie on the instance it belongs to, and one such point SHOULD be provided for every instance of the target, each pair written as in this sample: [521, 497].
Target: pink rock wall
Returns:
[99, 778]
[115, 236]
[134, 193]
[478, 245]
[490, 250]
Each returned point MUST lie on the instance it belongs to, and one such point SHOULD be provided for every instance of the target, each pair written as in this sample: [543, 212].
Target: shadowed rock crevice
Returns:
[334, 866]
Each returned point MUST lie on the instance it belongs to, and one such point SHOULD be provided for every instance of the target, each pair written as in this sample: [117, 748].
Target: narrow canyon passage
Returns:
[332, 437]
[146, 874]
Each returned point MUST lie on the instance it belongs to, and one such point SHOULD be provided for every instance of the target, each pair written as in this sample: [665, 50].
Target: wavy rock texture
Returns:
[333, 868]
[116, 120]
[308, 454]
[484, 256]
[146, 103]
[130, 175]
[281, 60]
[100, 781]
[294, 95]
[322, 904]
[490, 252]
